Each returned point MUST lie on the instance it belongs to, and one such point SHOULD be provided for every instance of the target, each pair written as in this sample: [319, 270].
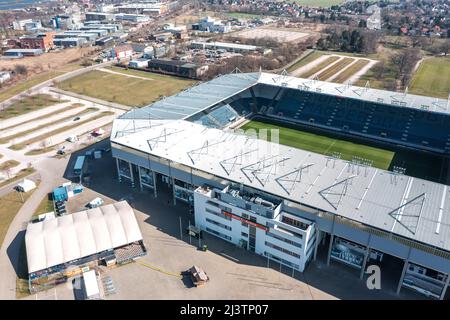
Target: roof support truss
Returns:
[412, 222]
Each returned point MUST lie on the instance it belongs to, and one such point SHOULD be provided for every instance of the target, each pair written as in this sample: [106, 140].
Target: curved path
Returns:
[51, 171]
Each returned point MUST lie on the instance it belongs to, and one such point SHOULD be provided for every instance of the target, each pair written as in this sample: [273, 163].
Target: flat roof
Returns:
[226, 45]
[195, 99]
[207, 94]
[81, 234]
[24, 50]
[410, 207]
[91, 284]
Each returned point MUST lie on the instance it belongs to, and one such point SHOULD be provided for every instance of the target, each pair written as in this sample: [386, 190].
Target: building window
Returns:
[211, 203]
[245, 235]
[224, 226]
[284, 239]
[219, 214]
[294, 223]
[293, 254]
[217, 233]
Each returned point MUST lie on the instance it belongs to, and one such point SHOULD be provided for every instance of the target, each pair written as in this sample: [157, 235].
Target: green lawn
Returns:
[28, 104]
[10, 204]
[432, 78]
[45, 206]
[303, 62]
[125, 90]
[319, 3]
[241, 15]
[326, 145]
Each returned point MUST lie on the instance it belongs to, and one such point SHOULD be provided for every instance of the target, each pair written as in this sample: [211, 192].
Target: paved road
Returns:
[91, 99]
[51, 171]
[123, 74]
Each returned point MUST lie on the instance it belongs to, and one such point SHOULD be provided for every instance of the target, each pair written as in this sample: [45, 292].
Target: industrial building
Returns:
[177, 68]
[230, 47]
[19, 53]
[135, 18]
[282, 202]
[43, 41]
[62, 247]
[99, 16]
[209, 24]
[105, 41]
[69, 42]
[88, 36]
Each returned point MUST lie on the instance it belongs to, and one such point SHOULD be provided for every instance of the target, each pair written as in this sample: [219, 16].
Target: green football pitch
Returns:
[326, 145]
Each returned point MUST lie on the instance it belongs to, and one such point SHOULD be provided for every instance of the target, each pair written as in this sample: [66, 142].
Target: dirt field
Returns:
[47, 61]
[281, 35]
[332, 67]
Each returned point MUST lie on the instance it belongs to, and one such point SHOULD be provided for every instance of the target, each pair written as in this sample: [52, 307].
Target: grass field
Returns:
[335, 68]
[319, 3]
[125, 90]
[326, 145]
[384, 157]
[10, 204]
[35, 80]
[241, 15]
[44, 116]
[303, 62]
[350, 71]
[45, 206]
[432, 78]
[8, 164]
[28, 104]
[319, 67]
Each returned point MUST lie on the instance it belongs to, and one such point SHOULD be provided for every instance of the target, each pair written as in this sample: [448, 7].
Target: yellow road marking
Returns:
[160, 270]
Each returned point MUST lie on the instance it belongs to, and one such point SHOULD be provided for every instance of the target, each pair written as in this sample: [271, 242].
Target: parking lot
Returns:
[234, 273]
[26, 138]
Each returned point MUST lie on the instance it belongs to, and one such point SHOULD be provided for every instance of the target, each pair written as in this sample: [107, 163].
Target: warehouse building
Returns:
[230, 47]
[99, 16]
[177, 68]
[135, 18]
[20, 53]
[62, 247]
[282, 202]
[69, 42]
[85, 35]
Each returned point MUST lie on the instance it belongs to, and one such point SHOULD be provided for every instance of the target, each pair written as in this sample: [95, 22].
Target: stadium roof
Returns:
[195, 99]
[81, 234]
[207, 94]
[407, 206]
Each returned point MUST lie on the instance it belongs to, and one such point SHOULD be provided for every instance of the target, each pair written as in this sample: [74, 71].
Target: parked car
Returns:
[76, 118]
[97, 202]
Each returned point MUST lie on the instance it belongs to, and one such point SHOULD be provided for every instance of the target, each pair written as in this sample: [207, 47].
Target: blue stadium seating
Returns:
[371, 119]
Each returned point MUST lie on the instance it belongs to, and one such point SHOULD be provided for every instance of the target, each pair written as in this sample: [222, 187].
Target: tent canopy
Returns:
[26, 185]
[81, 234]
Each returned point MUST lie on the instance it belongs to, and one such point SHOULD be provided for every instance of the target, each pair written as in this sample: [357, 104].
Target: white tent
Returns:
[81, 234]
[26, 185]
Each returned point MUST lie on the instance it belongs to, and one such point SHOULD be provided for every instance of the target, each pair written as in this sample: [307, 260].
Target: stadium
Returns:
[358, 172]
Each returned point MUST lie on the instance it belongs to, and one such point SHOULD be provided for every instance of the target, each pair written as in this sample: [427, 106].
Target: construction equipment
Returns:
[198, 276]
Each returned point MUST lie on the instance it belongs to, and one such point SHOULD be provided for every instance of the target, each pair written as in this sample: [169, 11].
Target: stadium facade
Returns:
[282, 202]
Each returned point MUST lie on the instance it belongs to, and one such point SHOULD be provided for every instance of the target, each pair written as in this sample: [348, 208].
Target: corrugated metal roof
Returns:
[406, 206]
[195, 99]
